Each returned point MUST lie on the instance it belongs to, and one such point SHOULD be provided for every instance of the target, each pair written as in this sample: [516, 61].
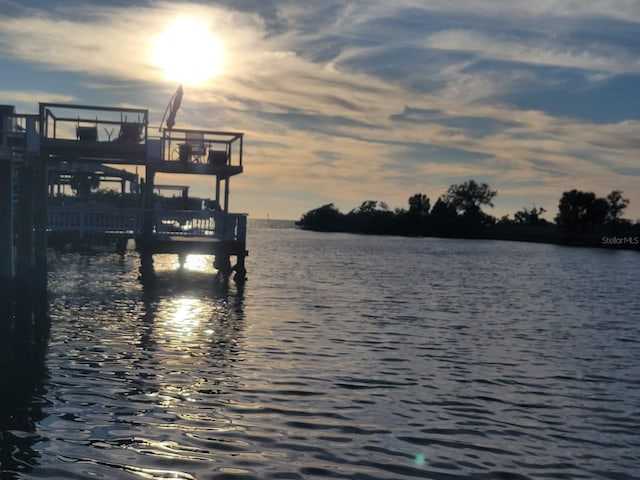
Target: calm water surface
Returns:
[343, 356]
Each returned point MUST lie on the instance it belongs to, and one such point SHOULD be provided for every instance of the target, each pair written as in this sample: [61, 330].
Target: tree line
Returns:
[582, 218]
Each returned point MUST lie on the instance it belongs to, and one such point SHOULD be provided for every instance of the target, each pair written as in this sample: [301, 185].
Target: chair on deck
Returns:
[87, 134]
[218, 157]
[193, 148]
[130, 133]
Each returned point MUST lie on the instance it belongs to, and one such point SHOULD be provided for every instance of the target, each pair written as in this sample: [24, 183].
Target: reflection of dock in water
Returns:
[24, 337]
[141, 343]
[54, 165]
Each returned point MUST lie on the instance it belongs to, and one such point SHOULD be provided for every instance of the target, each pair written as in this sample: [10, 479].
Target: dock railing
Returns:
[90, 123]
[129, 221]
[216, 224]
[209, 147]
[184, 222]
[86, 219]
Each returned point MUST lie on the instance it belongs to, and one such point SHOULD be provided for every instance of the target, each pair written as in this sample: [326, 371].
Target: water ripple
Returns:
[343, 357]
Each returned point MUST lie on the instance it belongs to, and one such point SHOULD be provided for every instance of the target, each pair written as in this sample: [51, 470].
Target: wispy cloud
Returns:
[536, 52]
[18, 97]
[357, 100]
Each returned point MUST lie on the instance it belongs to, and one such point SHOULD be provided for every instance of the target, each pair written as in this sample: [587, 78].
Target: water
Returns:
[344, 356]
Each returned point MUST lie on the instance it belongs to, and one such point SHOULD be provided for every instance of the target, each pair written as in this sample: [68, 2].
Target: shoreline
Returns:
[548, 234]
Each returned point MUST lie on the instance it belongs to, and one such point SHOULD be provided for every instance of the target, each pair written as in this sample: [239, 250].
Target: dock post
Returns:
[40, 215]
[226, 195]
[147, 224]
[24, 250]
[241, 235]
[241, 271]
[6, 219]
[7, 260]
[222, 263]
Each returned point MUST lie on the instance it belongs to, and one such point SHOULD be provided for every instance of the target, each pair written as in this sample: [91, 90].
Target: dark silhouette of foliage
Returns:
[582, 219]
[579, 211]
[468, 197]
[370, 207]
[617, 204]
[326, 218]
[419, 205]
[529, 216]
[444, 218]
[371, 217]
[466, 201]
[414, 221]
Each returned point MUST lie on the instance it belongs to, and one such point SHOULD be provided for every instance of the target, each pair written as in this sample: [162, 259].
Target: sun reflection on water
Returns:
[192, 263]
[199, 263]
[185, 318]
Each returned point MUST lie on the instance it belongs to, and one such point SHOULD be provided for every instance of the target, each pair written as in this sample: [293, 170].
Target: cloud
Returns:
[365, 99]
[536, 52]
[32, 98]
[109, 42]
[626, 10]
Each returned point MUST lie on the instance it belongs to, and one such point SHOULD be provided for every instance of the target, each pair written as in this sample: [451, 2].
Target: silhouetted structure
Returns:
[80, 146]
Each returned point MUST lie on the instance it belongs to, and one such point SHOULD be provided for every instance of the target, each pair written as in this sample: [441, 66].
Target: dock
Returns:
[55, 164]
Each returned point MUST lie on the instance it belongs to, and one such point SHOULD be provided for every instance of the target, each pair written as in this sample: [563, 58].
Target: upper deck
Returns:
[91, 133]
[113, 135]
[200, 152]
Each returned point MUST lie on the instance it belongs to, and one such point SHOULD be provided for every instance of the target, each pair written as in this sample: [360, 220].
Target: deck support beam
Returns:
[25, 246]
[7, 260]
[226, 195]
[218, 192]
[147, 227]
[240, 269]
[223, 264]
[40, 214]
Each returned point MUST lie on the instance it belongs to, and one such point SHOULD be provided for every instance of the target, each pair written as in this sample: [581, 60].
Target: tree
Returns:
[369, 207]
[616, 205]
[419, 204]
[326, 218]
[581, 210]
[530, 216]
[371, 216]
[444, 218]
[468, 197]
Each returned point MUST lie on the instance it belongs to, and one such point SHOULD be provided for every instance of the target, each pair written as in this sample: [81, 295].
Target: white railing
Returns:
[94, 219]
[220, 225]
[184, 222]
[84, 219]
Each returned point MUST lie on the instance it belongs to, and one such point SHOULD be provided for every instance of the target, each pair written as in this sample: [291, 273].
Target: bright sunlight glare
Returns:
[188, 52]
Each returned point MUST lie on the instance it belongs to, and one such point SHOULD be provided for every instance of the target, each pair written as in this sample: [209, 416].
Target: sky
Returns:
[343, 102]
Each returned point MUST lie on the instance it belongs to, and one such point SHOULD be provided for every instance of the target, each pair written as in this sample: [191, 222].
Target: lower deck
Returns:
[183, 245]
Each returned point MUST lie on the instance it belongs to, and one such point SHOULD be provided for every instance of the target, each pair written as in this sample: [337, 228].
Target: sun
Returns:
[188, 52]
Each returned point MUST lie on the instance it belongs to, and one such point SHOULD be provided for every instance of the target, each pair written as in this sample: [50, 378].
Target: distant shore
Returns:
[583, 219]
[549, 235]
[623, 236]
